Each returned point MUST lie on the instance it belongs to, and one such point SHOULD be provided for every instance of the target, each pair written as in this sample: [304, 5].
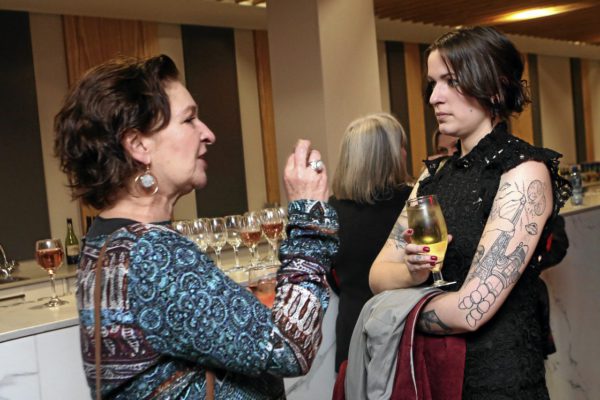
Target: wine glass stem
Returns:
[54, 296]
[235, 253]
[437, 276]
[218, 253]
[252, 255]
[274, 249]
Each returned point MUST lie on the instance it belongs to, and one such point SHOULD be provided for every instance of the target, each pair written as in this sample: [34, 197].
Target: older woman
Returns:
[370, 187]
[155, 313]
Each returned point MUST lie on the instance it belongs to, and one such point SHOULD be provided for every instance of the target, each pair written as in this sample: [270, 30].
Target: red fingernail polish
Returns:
[426, 249]
[409, 231]
[432, 264]
[434, 258]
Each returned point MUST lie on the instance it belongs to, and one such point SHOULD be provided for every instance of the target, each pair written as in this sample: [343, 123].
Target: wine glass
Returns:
[182, 227]
[217, 236]
[250, 234]
[49, 255]
[284, 217]
[426, 220]
[262, 281]
[233, 224]
[272, 226]
[199, 232]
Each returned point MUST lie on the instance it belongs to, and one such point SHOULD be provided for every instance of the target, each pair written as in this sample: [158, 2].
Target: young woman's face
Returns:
[457, 115]
[178, 149]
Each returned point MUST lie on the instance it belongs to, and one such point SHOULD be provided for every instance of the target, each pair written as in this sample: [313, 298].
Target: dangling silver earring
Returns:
[146, 183]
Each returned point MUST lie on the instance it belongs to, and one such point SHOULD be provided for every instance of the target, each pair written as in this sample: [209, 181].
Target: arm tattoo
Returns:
[496, 270]
[429, 322]
[396, 236]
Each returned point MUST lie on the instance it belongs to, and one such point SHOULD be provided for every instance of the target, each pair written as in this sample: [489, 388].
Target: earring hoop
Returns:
[146, 183]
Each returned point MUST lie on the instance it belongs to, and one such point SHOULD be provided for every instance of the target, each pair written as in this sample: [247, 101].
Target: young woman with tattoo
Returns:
[498, 195]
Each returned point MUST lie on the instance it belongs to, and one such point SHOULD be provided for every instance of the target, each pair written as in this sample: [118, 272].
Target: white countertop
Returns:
[32, 317]
[35, 274]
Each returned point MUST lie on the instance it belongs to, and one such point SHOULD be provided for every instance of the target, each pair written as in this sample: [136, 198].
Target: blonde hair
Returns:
[371, 163]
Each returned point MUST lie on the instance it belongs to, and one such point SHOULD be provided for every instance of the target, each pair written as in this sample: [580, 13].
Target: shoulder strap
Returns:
[97, 327]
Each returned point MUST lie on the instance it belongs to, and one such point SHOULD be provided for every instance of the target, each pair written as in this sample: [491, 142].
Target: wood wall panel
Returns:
[90, 41]
[398, 89]
[586, 97]
[267, 120]
[416, 111]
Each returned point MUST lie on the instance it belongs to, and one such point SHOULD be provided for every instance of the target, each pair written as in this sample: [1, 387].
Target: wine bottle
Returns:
[71, 244]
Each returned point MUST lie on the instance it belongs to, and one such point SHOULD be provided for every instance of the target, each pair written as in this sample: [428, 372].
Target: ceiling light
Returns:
[539, 12]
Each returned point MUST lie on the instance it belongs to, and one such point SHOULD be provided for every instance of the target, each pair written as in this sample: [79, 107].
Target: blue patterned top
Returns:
[168, 313]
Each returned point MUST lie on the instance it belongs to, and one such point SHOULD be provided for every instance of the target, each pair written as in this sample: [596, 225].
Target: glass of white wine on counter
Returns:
[49, 255]
[426, 220]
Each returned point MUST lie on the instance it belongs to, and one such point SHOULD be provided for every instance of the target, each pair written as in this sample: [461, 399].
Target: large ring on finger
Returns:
[316, 165]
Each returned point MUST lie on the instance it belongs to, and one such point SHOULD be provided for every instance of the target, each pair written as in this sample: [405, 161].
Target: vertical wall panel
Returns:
[578, 113]
[587, 110]
[211, 77]
[522, 125]
[90, 41]
[593, 81]
[431, 123]
[556, 106]
[416, 122]
[267, 119]
[23, 205]
[397, 84]
[534, 87]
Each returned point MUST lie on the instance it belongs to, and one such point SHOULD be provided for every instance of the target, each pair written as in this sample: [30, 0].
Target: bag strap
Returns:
[210, 385]
[97, 317]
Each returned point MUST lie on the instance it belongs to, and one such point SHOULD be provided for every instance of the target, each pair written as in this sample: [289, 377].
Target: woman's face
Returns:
[457, 115]
[179, 148]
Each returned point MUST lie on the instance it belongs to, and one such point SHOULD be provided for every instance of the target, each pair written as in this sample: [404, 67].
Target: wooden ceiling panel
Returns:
[578, 25]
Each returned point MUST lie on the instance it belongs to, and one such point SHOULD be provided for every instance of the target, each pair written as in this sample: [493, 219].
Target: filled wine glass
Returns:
[217, 236]
[250, 233]
[199, 233]
[282, 211]
[234, 224]
[426, 220]
[262, 281]
[49, 255]
[272, 226]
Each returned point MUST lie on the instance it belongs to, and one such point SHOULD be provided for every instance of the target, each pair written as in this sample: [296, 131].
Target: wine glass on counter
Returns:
[262, 281]
[182, 226]
[200, 230]
[250, 234]
[272, 226]
[426, 220]
[49, 255]
[282, 211]
[233, 224]
[217, 236]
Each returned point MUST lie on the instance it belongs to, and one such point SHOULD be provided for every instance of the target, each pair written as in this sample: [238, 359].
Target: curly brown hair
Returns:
[111, 99]
[488, 68]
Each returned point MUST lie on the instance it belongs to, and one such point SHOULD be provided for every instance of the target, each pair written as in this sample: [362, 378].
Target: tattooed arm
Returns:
[389, 270]
[521, 207]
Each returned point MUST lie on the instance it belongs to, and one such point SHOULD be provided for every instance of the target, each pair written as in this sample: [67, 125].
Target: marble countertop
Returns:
[32, 317]
[33, 273]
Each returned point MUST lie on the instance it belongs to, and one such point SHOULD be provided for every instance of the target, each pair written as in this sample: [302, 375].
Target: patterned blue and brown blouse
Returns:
[168, 314]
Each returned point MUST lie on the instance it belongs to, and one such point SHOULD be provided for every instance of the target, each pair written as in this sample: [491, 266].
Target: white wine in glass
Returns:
[217, 236]
[426, 220]
[49, 255]
[234, 224]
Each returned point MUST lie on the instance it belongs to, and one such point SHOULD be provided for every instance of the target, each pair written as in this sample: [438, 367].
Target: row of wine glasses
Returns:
[235, 230]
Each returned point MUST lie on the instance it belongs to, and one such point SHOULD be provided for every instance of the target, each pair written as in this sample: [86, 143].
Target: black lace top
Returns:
[505, 358]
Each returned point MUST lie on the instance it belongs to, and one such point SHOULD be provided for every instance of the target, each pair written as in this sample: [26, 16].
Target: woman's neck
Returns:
[468, 142]
[142, 209]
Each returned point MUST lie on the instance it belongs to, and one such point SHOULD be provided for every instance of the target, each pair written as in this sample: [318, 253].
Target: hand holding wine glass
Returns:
[49, 255]
[428, 226]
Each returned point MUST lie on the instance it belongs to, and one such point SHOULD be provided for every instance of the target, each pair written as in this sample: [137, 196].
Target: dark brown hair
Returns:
[487, 66]
[111, 99]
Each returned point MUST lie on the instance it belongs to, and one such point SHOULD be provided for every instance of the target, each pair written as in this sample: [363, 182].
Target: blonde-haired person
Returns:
[370, 187]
